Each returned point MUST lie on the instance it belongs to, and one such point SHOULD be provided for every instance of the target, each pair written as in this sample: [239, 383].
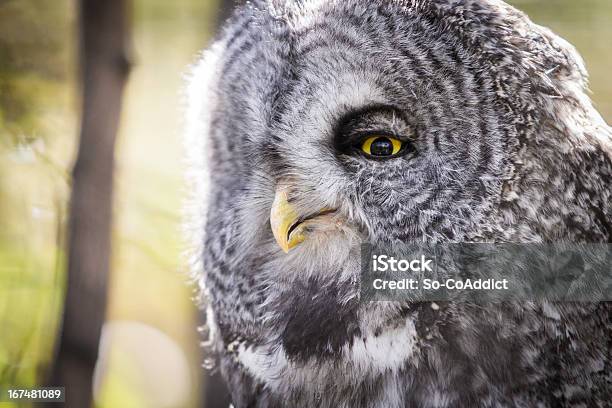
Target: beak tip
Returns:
[282, 217]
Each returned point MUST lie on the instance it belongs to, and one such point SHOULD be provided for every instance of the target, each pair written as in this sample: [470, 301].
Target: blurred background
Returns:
[150, 346]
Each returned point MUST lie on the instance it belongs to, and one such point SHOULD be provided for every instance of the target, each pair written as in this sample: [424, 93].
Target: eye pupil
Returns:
[382, 146]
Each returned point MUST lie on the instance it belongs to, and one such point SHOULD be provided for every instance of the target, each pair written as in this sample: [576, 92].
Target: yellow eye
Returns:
[381, 146]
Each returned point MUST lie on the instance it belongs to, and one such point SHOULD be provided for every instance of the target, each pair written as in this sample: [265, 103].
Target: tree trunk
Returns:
[104, 63]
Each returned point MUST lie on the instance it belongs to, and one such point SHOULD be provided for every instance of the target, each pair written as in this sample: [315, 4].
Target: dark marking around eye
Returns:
[375, 133]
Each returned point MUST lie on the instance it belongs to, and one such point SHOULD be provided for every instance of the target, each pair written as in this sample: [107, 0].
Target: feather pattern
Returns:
[507, 148]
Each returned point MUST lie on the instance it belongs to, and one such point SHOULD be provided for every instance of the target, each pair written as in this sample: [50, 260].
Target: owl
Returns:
[318, 125]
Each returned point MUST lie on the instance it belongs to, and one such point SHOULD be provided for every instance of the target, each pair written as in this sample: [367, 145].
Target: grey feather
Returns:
[507, 148]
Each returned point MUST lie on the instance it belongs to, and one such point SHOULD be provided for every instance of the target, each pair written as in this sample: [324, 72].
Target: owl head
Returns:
[324, 124]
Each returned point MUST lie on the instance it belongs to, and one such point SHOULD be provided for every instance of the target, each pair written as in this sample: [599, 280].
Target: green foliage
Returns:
[34, 61]
[37, 139]
[35, 49]
[28, 309]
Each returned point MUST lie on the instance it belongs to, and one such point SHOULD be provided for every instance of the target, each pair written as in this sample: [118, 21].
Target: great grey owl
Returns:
[316, 125]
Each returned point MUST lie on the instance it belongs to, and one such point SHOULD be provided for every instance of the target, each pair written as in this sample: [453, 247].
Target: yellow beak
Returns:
[282, 218]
